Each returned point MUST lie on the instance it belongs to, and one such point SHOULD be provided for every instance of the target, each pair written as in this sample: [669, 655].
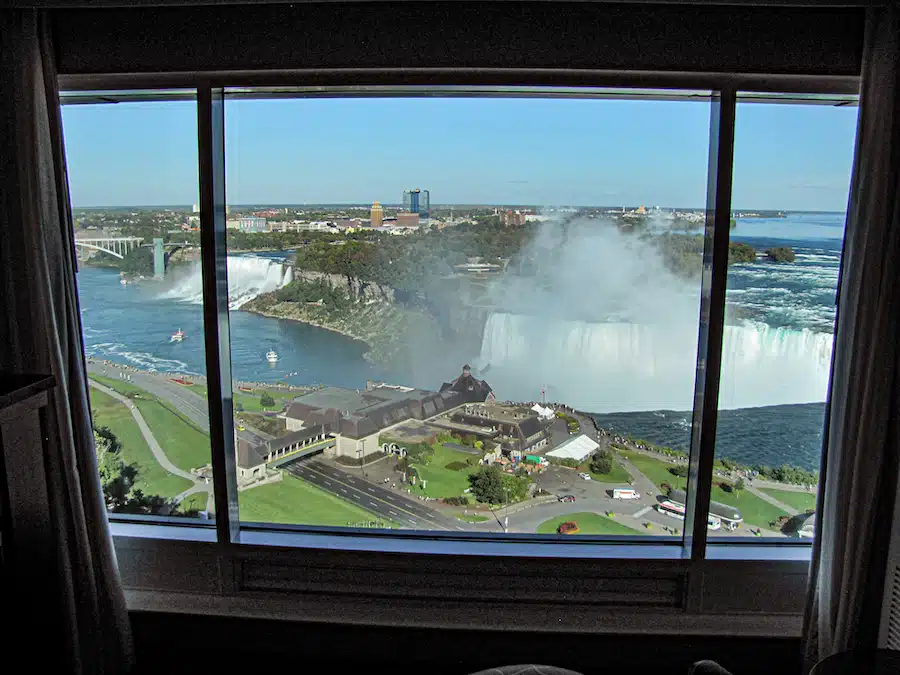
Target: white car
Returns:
[584, 476]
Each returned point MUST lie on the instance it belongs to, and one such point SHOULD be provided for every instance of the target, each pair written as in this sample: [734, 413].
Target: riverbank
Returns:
[389, 331]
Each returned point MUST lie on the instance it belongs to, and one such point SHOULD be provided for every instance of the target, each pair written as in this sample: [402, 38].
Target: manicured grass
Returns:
[251, 402]
[802, 501]
[472, 517]
[654, 469]
[755, 511]
[184, 444]
[293, 500]
[441, 481]
[588, 523]
[195, 501]
[152, 478]
[618, 475]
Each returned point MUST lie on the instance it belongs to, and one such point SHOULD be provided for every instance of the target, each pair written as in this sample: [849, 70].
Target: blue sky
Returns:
[496, 151]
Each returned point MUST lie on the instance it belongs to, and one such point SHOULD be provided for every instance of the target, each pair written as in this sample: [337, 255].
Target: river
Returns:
[637, 378]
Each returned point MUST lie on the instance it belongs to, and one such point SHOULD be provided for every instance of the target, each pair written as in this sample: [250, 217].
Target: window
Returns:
[791, 181]
[438, 302]
[490, 331]
[134, 191]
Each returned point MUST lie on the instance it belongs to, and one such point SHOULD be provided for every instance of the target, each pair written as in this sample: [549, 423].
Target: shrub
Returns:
[457, 501]
[601, 462]
[457, 466]
[266, 400]
[681, 471]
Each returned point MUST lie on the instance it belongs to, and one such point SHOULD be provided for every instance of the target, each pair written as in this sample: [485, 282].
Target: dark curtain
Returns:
[83, 604]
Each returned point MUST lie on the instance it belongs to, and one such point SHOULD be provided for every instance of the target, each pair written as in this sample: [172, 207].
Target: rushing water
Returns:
[776, 352]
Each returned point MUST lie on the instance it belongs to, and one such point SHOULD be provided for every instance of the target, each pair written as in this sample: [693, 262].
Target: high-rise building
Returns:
[417, 201]
[377, 215]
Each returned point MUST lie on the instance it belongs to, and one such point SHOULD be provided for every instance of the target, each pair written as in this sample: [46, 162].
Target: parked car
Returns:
[584, 476]
[566, 498]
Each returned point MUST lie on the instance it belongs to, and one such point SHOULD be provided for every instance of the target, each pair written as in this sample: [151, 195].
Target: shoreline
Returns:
[337, 331]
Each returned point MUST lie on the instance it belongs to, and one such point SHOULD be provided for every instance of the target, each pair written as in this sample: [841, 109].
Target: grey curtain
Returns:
[40, 332]
[860, 462]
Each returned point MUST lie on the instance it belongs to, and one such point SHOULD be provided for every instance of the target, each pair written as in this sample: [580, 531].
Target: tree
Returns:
[266, 400]
[602, 462]
[680, 470]
[780, 254]
[738, 486]
[487, 485]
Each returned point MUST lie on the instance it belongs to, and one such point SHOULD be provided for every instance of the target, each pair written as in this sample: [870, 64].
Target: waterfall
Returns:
[617, 367]
[248, 276]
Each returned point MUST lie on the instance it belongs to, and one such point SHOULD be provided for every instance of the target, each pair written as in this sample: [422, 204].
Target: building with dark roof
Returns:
[471, 389]
[356, 417]
[252, 458]
[518, 430]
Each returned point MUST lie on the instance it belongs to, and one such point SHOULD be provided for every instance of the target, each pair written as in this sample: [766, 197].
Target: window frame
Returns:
[234, 549]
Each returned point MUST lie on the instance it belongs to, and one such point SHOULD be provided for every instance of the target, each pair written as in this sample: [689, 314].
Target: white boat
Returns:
[271, 356]
[177, 336]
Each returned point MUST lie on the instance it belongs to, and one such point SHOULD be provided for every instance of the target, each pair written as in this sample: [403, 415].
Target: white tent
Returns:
[576, 448]
[543, 413]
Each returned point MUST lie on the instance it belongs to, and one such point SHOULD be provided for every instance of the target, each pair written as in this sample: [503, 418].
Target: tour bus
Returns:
[677, 510]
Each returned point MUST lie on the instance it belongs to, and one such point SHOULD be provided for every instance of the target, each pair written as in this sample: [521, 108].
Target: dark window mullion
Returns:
[712, 320]
[211, 149]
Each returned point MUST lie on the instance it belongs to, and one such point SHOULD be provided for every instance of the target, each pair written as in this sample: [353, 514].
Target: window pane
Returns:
[791, 179]
[444, 305]
[133, 179]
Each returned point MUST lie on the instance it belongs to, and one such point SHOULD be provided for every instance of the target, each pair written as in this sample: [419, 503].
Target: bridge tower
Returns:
[159, 259]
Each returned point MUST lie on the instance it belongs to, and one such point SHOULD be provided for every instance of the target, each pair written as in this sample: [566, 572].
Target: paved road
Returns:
[191, 405]
[386, 503]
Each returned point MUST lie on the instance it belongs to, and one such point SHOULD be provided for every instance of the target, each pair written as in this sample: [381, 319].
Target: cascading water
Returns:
[615, 367]
[248, 276]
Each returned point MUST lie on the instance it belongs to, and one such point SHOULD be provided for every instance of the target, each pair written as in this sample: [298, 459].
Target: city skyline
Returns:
[504, 152]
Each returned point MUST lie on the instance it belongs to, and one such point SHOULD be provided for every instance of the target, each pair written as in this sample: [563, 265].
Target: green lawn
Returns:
[654, 469]
[295, 501]
[472, 517]
[441, 481]
[195, 501]
[152, 478]
[802, 501]
[588, 523]
[618, 475]
[184, 444]
[755, 511]
[251, 402]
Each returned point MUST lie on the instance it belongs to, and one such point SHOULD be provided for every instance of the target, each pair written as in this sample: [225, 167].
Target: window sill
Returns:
[408, 580]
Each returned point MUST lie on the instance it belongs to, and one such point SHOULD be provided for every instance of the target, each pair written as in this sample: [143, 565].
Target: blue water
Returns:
[131, 324]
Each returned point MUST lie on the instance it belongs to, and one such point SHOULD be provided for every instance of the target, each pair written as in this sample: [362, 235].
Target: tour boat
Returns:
[271, 356]
[177, 336]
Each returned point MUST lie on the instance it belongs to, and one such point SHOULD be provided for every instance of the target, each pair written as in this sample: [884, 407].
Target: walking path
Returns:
[158, 453]
[790, 510]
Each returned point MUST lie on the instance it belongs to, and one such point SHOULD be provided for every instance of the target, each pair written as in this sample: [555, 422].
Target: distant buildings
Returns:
[376, 215]
[512, 218]
[417, 201]
[252, 224]
[302, 226]
[407, 220]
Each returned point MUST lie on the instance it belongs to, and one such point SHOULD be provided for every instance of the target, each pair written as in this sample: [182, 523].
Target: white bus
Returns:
[677, 510]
